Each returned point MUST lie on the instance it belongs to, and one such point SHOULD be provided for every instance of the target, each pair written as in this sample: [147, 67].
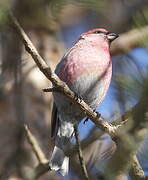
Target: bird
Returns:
[87, 69]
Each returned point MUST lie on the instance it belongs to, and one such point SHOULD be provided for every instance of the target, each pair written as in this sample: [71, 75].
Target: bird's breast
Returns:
[92, 86]
[87, 71]
[83, 60]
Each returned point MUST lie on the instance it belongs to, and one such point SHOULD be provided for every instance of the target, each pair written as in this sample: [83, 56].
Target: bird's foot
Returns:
[77, 96]
[85, 120]
[98, 114]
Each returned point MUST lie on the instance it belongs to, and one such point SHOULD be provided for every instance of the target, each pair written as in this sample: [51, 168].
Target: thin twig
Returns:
[53, 89]
[35, 146]
[136, 170]
[81, 159]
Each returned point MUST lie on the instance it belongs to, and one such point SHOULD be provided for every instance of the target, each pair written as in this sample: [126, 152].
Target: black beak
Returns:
[112, 36]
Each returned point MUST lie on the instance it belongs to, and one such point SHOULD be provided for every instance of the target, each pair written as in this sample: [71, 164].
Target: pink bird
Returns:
[86, 68]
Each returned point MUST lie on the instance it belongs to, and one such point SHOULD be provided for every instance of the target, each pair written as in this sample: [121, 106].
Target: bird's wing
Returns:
[54, 121]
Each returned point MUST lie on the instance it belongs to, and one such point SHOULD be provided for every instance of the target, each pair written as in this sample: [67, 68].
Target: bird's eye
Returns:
[97, 32]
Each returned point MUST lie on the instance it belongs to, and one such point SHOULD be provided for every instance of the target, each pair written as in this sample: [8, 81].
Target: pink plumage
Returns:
[87, 69]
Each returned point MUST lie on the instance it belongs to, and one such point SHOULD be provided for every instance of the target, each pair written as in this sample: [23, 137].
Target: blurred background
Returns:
[53, 26]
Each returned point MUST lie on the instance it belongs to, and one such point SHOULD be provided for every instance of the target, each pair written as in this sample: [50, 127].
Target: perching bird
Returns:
[86, 68]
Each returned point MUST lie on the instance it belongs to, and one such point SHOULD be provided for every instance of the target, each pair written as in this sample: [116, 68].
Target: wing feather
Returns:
[54, 121]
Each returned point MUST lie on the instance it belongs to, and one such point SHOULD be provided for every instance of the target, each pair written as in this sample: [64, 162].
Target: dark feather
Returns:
[54, 121]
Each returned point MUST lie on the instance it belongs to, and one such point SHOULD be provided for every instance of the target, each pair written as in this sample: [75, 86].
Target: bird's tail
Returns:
[59, 162]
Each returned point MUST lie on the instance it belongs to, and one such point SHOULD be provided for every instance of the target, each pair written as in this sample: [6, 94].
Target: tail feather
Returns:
[65, 166]
[59, 162]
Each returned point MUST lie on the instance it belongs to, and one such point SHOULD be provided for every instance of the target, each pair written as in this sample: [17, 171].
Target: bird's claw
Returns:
[85, 120]
[98, 114]
[77, 96]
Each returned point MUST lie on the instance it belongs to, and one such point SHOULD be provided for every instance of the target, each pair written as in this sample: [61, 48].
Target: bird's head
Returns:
[99, 33]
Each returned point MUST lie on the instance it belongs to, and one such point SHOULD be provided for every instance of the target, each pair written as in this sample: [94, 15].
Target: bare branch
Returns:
[53, 89]
[81, 159]
[136, 171]
[35, 146]
[125, 159]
